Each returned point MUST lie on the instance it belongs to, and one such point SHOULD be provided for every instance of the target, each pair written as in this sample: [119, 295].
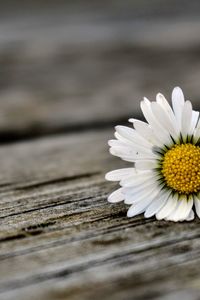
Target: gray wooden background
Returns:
[69, 72]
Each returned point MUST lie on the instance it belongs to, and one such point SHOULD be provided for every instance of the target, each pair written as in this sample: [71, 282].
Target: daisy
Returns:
[164, 179]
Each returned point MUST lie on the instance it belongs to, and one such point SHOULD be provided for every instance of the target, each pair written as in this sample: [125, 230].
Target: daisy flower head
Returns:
[164, 179]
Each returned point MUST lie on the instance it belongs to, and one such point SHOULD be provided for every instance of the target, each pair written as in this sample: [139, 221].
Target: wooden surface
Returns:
[68, 74]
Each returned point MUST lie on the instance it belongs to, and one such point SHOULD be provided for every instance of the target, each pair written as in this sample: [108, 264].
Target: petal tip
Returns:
[116, 127]
[129, 214]
[177, 91]
[107, 176]
[177, 88]
[131, 120]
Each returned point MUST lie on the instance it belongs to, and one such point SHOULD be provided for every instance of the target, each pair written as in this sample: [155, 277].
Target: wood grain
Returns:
[61, 239]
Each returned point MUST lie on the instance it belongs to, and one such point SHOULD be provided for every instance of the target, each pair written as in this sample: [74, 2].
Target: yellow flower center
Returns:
[181, 168]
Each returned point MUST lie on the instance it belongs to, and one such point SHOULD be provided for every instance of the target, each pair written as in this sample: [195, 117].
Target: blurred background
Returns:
[75, 65]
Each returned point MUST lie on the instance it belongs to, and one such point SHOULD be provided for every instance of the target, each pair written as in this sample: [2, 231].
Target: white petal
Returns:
[197, 132]
[157, 204]
[147, 193]
[168, 208]
[132, 120]
[133, 136]
[163, 118]
[117, 143]
[171, 216]
[146, 165]
[182, 210]
[137, 178]
[140, 189]
[196, 135]
[116, 196]
[190, 216]
[123, 151]
[198, 124]
[197, 206]
[130, 153]
[177, 103]
[119, 174]
[158, 130]
[135, 146]
[131, 147]
[195, 117]
[186, 211]
[167, 108]
[123, 139]
[186, 119]
[140, 206]
[146, 132]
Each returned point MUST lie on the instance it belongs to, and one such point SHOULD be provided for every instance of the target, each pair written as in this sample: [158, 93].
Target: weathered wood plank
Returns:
[60, 238]
[70, 68]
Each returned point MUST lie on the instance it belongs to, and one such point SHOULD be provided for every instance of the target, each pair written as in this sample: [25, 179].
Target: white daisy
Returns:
[165, 177]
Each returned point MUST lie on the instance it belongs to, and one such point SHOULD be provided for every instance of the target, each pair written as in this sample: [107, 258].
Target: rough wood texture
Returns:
[64, 69]
[60, 238]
